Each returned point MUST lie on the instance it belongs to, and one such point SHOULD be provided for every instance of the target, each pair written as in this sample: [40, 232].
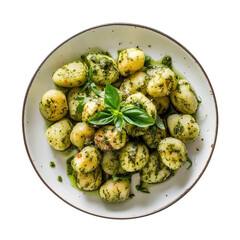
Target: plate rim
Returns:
[130, 25]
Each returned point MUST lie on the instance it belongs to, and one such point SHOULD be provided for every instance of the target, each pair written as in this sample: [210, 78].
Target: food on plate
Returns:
[183, 127]
[87, 160]
[184, 98]
[115, 191]
[122, 117]
[130, 60]
[53, 105]
[58, 134]
[173, 152]
[73, 74]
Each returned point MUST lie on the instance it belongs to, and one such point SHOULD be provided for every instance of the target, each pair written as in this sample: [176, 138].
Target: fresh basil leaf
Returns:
[81, 105]
[84, 87]
[120, 177]
[190, 161]
[101, 118]
[142, 187]
[112, 98]
[137, 116]
[118, 122]
[199, 100]
[159, 123]
[90, 74]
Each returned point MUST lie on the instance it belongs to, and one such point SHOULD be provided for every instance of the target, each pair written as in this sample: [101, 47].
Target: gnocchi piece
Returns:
[110, 162]
[53, 105]
[130, 61]
[108, 137]
[184, 98]
[133, 84]
[90, 181]
[58, 134]
[173, 152]
[82, 134]
[133, 156]
[162, 82]
[141, 101]
[153, 136]
[183, 127]
[73, 74]
[161, 103]
[92, 107]
[104, 68]
[154, 171]
[73, 103]
[115, 191]
[87, 160]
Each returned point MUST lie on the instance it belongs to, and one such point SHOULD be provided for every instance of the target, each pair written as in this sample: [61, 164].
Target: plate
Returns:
[112, 37]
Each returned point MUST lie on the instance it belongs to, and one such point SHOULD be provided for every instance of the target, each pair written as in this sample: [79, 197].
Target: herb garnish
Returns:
[93, 86]
[119, 112]
[159, 123]
[120, 177]
[190, 161]
[142, 187]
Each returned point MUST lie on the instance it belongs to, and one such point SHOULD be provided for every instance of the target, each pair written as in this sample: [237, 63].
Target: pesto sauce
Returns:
[72, 175]
[52, 164]
[166, 61]
[59, 178]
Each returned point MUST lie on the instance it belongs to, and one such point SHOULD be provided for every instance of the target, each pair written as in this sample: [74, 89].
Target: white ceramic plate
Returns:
[112, 37]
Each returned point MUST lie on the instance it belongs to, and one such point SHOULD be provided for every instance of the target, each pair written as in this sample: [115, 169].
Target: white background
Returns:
[31, 29]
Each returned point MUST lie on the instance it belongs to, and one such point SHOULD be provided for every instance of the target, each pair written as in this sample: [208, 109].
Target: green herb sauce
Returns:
[52, 164]
[59, 178]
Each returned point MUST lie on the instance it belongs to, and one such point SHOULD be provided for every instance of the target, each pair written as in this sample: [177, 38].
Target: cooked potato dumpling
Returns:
[73, 103]
[184, 98]
[183, 127]
[133, 84]
[154, 171]
[87, 160]
[173, 152]
[108, 137]
[90, 181]
[58, 134]
[141, 101]
[162, 82]
[82, 134]
[153, 136]
[92, 107]
[161, 103]
[73, 74]
[104, 68]
[133, 156]
[110, 162]
[130, 60]
[53, 105]
[115, 191]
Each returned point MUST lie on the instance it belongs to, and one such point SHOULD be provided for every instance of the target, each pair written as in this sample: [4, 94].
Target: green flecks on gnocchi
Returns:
[155, 170]
[173, 152]
[183, 127]
[118, 143]
[72, 74]
[133, 156]
[58, 134]
[87, 160]
[53, 105]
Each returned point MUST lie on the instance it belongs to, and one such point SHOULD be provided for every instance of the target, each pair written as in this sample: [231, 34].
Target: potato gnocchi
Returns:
[107, 157]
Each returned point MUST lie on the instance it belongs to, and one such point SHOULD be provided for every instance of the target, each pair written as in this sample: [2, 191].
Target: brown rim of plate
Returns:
[165, 35]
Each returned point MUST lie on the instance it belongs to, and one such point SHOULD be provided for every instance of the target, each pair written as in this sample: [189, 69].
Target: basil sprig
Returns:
[84, 100]
[119, 112]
